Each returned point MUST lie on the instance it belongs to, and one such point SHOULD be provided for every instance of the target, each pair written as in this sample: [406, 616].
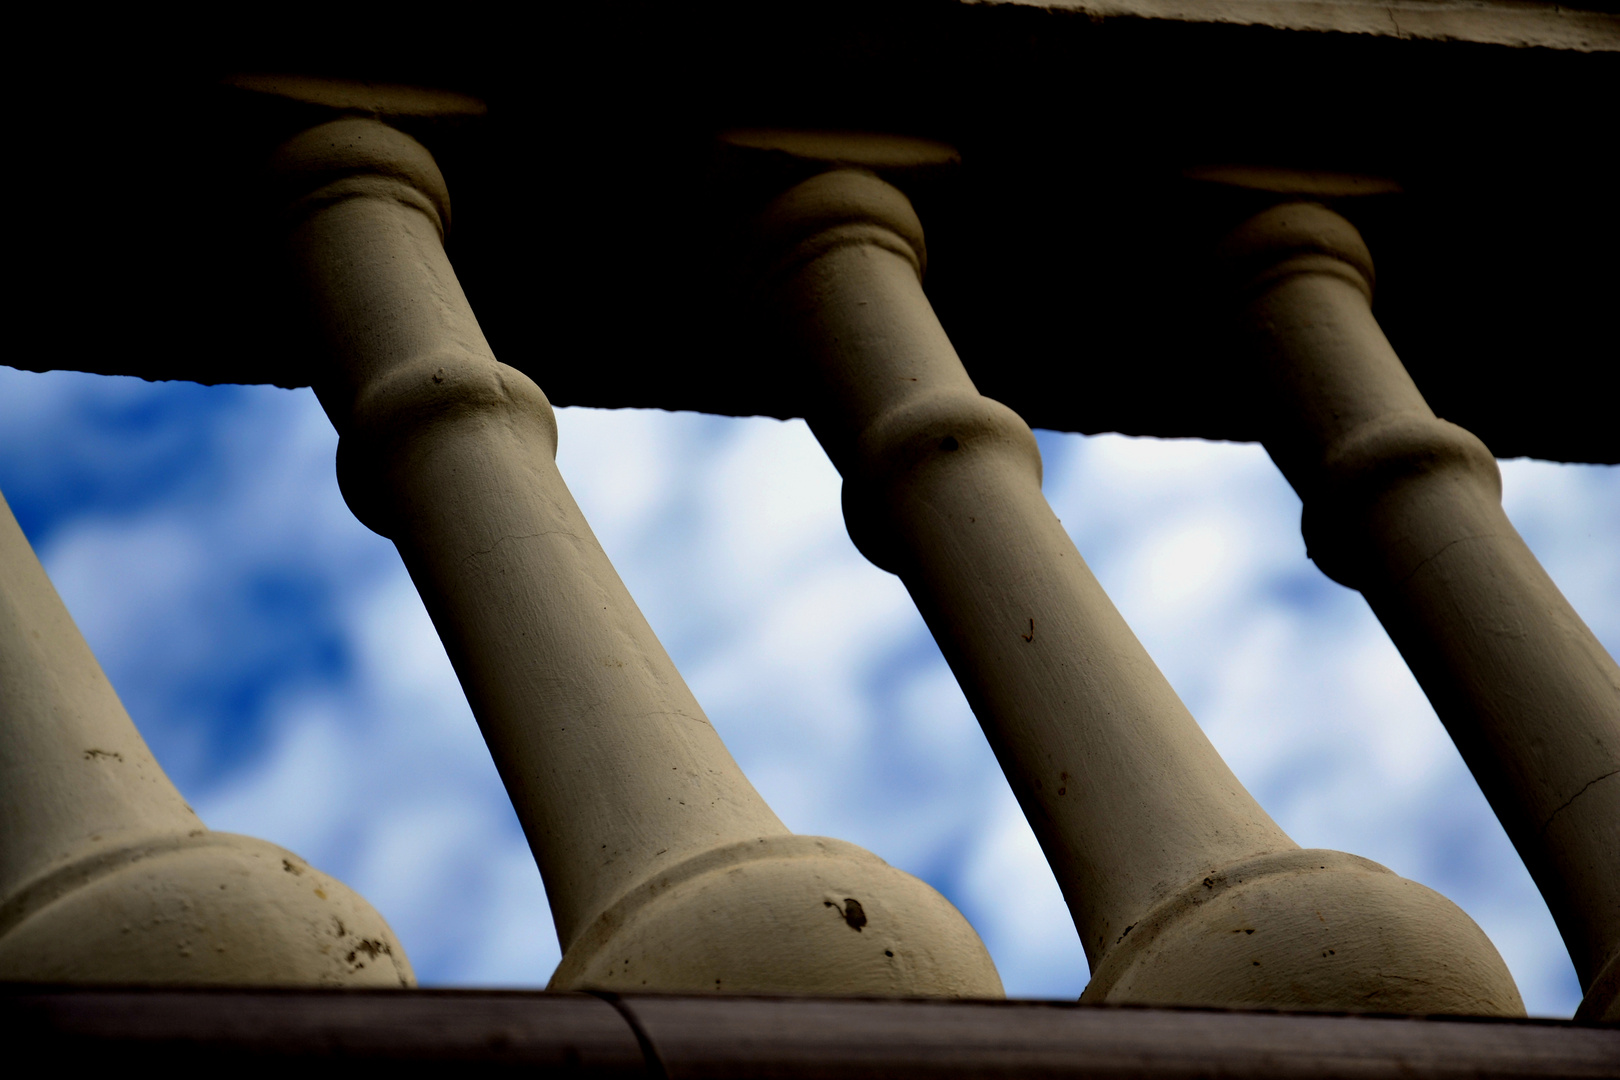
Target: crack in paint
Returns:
[1546, 824]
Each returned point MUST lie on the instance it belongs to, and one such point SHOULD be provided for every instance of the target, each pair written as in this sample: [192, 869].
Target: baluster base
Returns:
[204, 909]
[782, 914]
[1312, 929]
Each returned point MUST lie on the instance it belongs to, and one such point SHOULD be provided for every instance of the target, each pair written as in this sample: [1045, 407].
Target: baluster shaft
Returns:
[1406, 507]
[664, 868]
[106, 875]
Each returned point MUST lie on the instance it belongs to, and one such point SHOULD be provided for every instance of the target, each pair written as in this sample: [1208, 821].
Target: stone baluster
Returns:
[1406, 507]
[664, 868]
[1183, 890]
[106, 875]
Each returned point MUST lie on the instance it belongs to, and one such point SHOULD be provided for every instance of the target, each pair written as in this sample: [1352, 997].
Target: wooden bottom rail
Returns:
[678, 1037]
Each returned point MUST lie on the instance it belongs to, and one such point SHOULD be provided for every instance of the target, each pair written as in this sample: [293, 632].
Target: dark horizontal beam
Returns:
[724, 1037]
[594, 222]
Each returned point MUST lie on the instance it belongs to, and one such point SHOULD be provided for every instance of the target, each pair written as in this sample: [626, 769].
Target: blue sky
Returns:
[274, 654]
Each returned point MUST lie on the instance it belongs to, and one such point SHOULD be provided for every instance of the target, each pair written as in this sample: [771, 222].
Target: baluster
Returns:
[664, 868]
[1181, 887]
[1406, 507]
[106, 875]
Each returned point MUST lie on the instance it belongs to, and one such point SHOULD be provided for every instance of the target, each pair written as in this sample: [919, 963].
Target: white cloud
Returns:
[386, 783]
[1016, 906]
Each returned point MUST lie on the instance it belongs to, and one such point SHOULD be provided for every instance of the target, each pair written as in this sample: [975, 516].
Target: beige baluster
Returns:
[106, 875]
[1183, 890]
[1406, 507]
[665, 869]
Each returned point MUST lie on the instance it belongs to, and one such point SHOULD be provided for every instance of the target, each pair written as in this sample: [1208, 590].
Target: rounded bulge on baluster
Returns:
[204, 909]
[784, 914]
[1309, 930]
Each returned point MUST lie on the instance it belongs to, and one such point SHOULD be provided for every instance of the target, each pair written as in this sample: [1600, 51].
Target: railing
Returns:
[648, 1035]
[664, 868]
